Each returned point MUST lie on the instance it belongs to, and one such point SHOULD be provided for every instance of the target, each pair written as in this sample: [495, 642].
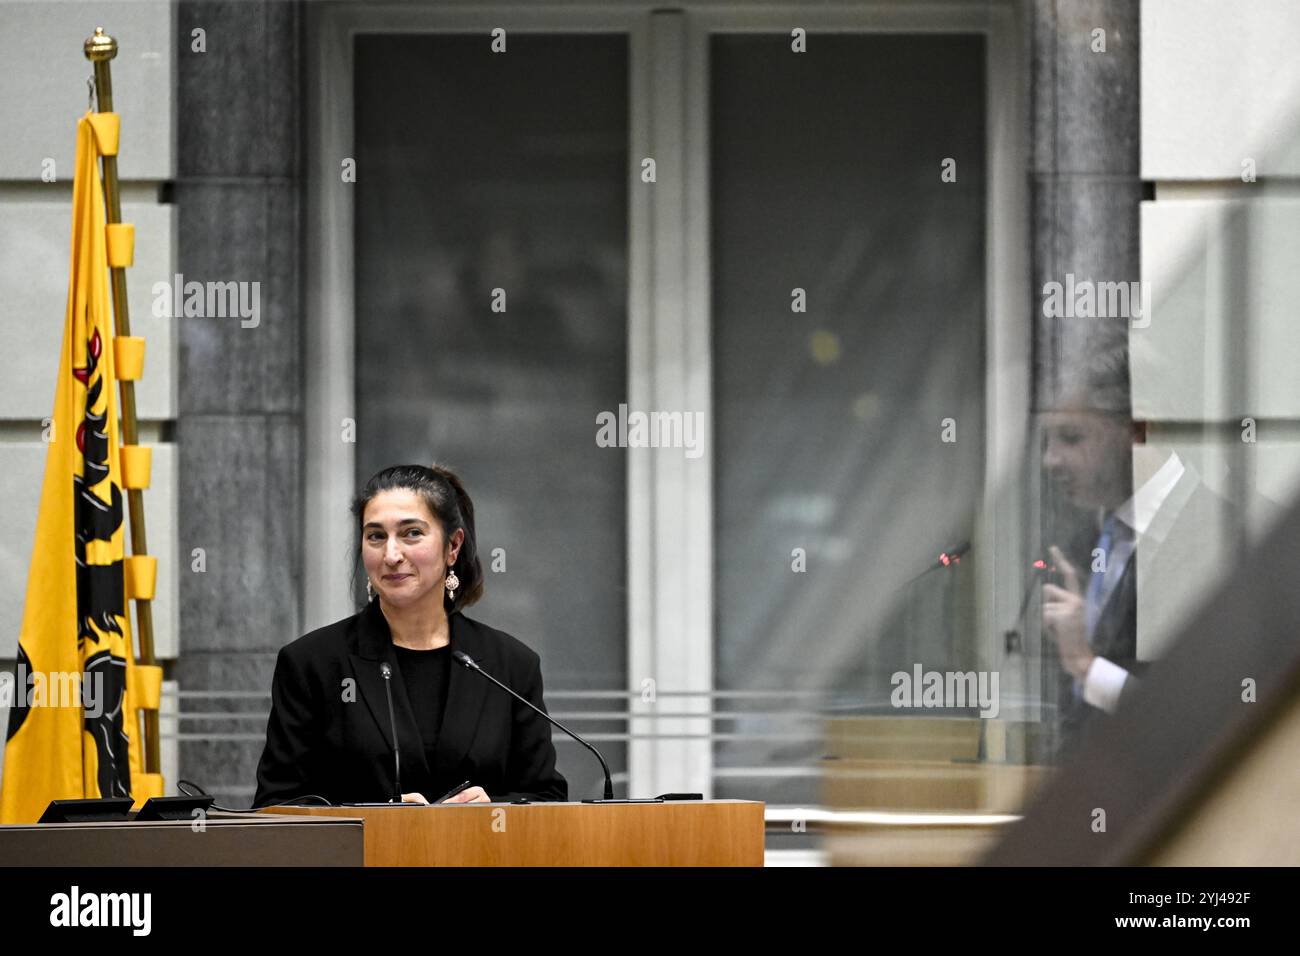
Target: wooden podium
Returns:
[673, 833]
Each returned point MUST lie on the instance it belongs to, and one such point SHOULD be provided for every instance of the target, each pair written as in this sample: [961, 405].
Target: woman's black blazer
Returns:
[329, 731]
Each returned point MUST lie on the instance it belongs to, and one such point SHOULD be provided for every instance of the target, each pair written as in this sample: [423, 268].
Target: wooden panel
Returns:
[931, 791]
[917, 738]
[678, 833]
[930, 785]
[914, 845]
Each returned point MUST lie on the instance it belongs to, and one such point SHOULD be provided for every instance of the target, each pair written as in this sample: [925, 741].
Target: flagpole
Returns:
[100, 49]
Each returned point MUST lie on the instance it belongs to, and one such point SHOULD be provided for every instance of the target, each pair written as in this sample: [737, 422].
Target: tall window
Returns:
[848, 354]
[491, 323]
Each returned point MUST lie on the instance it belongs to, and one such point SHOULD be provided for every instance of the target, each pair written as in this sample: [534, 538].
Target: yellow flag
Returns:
[73, 730]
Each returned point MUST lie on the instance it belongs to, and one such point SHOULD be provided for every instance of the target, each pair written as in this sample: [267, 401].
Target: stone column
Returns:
[239, 195]
[1086, 185]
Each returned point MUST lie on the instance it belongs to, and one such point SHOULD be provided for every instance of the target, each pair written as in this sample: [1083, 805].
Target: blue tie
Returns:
[1092, 596]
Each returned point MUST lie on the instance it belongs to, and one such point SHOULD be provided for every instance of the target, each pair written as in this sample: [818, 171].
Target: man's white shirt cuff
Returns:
[1103, 683]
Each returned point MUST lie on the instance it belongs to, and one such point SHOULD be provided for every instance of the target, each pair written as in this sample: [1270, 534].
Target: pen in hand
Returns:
[452, 792]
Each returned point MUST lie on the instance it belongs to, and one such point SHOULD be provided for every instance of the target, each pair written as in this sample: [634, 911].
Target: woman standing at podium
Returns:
[375, 707]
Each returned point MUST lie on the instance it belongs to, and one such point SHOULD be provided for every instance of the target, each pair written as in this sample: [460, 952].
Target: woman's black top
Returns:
[426, 675]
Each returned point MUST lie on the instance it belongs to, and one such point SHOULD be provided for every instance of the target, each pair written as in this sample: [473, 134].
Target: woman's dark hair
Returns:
[451, 507]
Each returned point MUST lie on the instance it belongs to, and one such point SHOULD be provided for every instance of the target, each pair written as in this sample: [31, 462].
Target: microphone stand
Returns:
[609, 797]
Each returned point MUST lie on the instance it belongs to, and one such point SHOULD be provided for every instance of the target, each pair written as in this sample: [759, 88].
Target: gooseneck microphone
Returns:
[609, 783]
[946, 559]
[387, 672]
[1039, 570]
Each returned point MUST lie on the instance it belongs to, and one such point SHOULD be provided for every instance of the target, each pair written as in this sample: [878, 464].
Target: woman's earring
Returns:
[452, 583]
[370, 591]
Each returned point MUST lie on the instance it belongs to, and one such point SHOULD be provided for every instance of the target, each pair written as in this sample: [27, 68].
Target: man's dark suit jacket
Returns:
[1178, 555]
[329, 732]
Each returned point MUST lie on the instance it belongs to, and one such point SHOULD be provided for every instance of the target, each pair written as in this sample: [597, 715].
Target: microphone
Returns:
[953, 556]
[473, 665]
[387, 673]
[1040, 567]
[1011, 637]
[946, 559]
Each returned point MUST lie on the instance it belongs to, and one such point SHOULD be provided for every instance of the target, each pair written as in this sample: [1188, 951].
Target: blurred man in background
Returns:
[1153, 505]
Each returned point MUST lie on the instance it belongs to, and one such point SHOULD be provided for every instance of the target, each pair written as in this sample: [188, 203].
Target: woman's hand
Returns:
[414, 798]
[470, 795]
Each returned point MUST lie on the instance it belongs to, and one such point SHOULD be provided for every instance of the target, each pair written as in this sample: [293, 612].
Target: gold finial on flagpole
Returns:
[100, 47]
